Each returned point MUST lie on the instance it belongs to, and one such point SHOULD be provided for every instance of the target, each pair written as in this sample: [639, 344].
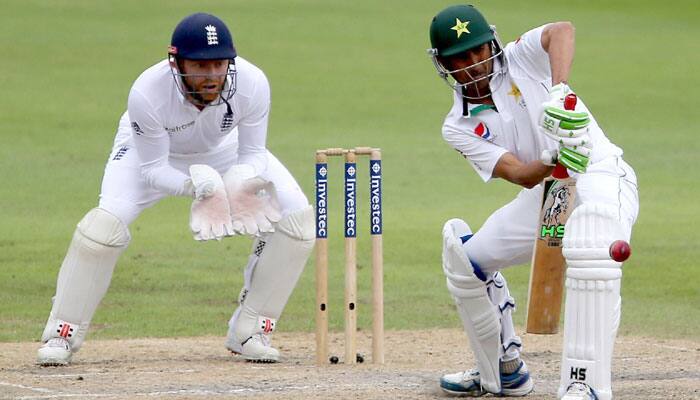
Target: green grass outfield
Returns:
[343, 73]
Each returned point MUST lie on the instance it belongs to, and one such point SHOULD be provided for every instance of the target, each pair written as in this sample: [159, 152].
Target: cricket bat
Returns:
[548, 265]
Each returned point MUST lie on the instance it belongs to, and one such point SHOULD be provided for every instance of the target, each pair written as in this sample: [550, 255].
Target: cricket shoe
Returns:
[256, 348]
[579, 391]
[468, 383]
[55, 352]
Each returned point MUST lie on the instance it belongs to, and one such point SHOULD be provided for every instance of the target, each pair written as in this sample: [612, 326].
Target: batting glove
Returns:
[557, 122]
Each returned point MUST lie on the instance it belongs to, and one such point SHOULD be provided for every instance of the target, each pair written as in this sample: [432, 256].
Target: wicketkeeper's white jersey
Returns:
[483, 133]
[165, 124]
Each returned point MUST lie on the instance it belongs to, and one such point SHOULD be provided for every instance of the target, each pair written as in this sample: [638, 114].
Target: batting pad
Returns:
[479, 316]
[85, 275]
[279, 265]
[592, 311]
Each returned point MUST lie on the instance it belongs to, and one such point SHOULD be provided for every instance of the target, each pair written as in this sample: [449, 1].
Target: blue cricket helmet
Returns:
[202, 36]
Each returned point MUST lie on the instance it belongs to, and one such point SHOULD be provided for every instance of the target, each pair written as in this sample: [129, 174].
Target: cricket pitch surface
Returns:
[201, 368]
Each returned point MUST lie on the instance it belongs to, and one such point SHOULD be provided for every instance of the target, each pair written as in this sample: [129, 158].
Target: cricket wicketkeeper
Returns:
[196, 126]
[509, 121]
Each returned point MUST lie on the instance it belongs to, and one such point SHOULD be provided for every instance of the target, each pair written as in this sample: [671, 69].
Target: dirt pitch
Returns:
[200, 368]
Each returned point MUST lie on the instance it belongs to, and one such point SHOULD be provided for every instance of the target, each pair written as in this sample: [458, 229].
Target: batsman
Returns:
[509, 121]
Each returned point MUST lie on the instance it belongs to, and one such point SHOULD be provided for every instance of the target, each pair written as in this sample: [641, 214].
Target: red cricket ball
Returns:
[620, 250]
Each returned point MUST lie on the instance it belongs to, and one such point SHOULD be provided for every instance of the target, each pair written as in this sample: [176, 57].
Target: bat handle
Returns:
[570, 102]
[559, 171]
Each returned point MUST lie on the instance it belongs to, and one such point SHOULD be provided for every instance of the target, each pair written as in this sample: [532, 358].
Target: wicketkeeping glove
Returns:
[210, 216]
[253, 201]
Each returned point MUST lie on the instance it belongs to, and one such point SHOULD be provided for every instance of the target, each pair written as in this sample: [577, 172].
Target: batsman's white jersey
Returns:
[483, 133]
[162, 134]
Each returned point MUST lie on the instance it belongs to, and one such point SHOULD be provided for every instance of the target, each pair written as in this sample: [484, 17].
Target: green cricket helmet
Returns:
[456, 30]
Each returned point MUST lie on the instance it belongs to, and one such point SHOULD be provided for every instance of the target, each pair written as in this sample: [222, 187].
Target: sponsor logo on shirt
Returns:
[483, 131]
[178, 129]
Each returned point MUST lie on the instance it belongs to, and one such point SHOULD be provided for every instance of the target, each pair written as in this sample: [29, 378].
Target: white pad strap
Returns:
[592, 311]
[497, 289]
[274, 271]
[479, 316]
[86, 272]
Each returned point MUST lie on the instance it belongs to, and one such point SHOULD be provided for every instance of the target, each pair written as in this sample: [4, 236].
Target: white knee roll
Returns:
[103, 228]
[592, 311]
[479, 316]
[85, 274]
